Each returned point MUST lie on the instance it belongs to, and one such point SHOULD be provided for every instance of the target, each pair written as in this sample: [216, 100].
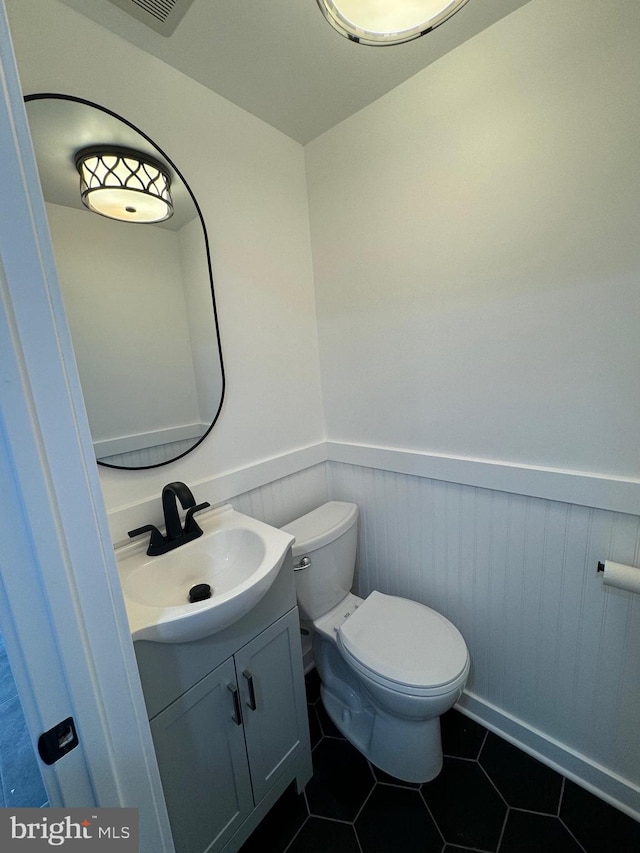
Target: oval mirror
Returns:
[139, 297]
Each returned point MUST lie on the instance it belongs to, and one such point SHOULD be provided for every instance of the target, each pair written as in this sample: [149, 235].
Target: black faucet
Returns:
[176, 534]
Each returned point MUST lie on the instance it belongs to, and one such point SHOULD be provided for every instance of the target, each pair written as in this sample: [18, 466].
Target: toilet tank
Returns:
[328, 537]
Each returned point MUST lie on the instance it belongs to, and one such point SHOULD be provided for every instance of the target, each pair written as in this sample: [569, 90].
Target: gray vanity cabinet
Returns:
[229, 722]
[270, 707]
[197, 745]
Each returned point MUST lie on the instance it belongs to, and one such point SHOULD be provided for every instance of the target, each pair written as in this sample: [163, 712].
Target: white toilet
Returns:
[388, 666]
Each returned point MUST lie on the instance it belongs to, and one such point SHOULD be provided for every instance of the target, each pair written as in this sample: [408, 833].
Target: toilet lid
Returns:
[404, 641]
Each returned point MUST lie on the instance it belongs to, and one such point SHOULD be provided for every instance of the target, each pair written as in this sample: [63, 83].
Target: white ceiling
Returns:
[281, 61]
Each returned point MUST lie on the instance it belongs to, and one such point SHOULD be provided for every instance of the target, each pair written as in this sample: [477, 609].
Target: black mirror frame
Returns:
[59, 96]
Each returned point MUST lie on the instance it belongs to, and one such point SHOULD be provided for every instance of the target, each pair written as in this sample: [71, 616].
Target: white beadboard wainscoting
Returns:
[555, 655]
[277, 489]
[281, 501]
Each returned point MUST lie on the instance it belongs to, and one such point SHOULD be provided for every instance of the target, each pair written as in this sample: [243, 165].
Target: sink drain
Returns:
[199, 592]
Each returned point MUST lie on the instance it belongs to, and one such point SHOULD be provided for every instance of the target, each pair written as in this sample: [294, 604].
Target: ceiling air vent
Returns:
[163, 16]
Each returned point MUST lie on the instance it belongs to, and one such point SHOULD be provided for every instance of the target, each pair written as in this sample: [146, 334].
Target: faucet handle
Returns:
[156, 540]
[191, 526]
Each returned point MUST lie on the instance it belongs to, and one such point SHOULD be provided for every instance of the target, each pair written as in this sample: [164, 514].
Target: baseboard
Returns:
[601, 782]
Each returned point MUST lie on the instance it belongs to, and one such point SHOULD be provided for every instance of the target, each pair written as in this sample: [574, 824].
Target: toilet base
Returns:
[409, 750]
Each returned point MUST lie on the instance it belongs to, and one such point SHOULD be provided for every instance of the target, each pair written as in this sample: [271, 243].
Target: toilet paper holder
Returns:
[620, 576]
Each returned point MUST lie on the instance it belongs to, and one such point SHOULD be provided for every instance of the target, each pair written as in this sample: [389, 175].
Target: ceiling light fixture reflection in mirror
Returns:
[139, 297]
[123, 184]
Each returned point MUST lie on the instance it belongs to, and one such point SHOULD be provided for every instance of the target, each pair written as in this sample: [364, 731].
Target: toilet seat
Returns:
[404, 646]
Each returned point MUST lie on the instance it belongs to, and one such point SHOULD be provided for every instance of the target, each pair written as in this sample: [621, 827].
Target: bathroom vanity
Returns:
[229, 722]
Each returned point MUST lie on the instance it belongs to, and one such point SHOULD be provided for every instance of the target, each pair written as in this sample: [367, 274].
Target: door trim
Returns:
[63, 615]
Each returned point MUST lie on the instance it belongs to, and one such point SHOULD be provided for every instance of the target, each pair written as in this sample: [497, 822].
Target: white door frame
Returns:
[61, 605]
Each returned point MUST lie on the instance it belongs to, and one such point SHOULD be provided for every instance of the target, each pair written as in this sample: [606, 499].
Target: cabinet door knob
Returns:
[236, 716]
[252, 690]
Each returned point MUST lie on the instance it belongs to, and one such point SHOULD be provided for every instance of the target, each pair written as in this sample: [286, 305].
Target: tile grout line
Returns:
[367, 798]
[297, 833]
[493, 785]
[304, 822]
[572, 835]
[433, 820]
[502, 831]
[560, 799]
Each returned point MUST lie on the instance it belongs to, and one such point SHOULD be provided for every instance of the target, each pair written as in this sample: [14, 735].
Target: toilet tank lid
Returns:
[321, 526]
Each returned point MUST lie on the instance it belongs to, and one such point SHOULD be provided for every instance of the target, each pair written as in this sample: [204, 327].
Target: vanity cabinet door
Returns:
[203, 763]
[271, 680]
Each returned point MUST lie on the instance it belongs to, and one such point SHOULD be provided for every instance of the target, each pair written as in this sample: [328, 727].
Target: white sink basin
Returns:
[238, 556]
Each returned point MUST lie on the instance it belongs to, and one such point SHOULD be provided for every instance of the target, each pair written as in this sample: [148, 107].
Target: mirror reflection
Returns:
[139, 297]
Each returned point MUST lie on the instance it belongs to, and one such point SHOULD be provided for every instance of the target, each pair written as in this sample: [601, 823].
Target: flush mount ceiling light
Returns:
[387, 21]
[123, 184]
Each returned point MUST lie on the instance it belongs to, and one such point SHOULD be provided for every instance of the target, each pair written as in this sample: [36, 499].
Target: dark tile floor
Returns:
[20, 780]
[489, 796]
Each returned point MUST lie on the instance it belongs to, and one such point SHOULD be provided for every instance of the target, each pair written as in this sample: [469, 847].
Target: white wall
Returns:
[476, 261]
[250, 183]
[476, 252]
